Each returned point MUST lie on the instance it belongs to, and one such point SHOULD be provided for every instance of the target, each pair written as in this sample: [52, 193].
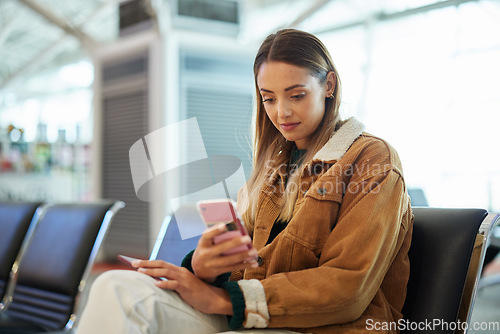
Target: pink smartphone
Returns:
[224, 211]
[128, 260]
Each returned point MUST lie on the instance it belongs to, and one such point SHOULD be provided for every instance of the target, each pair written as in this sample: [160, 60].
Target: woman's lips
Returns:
[289, 126]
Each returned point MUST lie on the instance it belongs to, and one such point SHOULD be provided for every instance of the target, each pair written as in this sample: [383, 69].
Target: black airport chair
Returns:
[446, 257]
[15, 220]
[53, 266]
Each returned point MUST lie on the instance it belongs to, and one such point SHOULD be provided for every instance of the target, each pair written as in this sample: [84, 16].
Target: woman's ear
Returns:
[331, 83]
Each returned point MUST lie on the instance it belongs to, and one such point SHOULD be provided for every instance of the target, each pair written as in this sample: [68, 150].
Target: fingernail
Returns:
[254, 265]
[141, 270]
[221, 227]
[253, 252]
[246, 239]
[135, 263]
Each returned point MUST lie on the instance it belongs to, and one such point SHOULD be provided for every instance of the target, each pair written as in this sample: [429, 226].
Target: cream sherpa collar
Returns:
[341, 140]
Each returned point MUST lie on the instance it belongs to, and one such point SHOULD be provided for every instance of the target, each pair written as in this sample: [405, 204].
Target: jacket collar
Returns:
[341, 140]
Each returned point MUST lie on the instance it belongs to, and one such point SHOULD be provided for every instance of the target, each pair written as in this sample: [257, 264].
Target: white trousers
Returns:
[128, 302]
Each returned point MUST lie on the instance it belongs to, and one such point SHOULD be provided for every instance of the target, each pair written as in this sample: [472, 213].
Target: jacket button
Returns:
[260, 261]
[321, 191]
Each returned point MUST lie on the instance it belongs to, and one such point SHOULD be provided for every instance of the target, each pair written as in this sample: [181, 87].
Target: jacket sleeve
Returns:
[353, 263]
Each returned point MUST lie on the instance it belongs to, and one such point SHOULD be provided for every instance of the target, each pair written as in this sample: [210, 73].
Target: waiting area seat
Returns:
[52, 267]
[169, 246]
[15, 220]
[446, 257]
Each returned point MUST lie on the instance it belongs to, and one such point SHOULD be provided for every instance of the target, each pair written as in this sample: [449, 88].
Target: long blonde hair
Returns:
[271, 151]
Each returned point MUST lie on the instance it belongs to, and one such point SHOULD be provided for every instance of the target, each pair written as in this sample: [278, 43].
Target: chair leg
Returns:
[469, 289]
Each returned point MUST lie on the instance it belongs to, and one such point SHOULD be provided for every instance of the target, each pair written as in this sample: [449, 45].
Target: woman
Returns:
[326, 207]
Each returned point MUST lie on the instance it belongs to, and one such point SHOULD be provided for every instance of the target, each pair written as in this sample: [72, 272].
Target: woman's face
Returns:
[294, 99]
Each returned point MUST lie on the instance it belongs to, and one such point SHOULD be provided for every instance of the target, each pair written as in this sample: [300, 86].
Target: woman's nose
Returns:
[284, 110]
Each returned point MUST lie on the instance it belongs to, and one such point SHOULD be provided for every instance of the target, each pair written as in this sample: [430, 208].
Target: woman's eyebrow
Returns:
[286, 89]
[294, 86]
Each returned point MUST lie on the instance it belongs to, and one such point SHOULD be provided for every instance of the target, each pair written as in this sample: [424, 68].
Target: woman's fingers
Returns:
[208, 260]
[156, 272]
[240, 266]
[170, 284]
[151, 264]
[206, 240]
[232, 243]
[162, 269]
[208, 235]
[234, 259]
[215, 250]
[211, 267]
[156, 268]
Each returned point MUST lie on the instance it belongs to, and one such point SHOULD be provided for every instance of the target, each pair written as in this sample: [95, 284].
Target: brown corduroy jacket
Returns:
[341, 264]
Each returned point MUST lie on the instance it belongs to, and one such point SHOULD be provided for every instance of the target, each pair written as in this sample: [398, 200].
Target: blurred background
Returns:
[82, 80]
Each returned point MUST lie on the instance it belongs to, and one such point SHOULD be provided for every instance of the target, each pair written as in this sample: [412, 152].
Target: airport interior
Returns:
[112, 108]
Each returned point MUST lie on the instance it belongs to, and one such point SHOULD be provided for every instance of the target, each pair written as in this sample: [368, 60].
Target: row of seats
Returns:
[46, 254]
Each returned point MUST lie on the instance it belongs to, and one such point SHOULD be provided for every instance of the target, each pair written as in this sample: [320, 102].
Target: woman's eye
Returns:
[268, 100]
[298, 96]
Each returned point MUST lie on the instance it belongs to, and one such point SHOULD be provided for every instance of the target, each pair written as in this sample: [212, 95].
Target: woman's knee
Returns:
[114, 280]
[110, 278]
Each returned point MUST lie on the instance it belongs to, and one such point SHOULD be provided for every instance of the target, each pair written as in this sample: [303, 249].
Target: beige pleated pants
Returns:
[128, 302]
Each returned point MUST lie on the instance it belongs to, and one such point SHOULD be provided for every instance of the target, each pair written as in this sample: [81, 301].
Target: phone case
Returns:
[224, 211]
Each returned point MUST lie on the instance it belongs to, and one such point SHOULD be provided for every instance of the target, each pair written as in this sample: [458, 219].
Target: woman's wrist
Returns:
[189, 263]
[237, 318]
[222, 305]
[208, 280]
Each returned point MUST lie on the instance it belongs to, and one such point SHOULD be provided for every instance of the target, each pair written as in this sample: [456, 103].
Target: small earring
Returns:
[331, 96]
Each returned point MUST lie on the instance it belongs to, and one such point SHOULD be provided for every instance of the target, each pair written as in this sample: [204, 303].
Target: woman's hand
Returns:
[200, 295]
[208, 261]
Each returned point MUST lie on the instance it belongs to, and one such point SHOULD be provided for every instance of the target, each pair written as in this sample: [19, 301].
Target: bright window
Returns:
[430, 85]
